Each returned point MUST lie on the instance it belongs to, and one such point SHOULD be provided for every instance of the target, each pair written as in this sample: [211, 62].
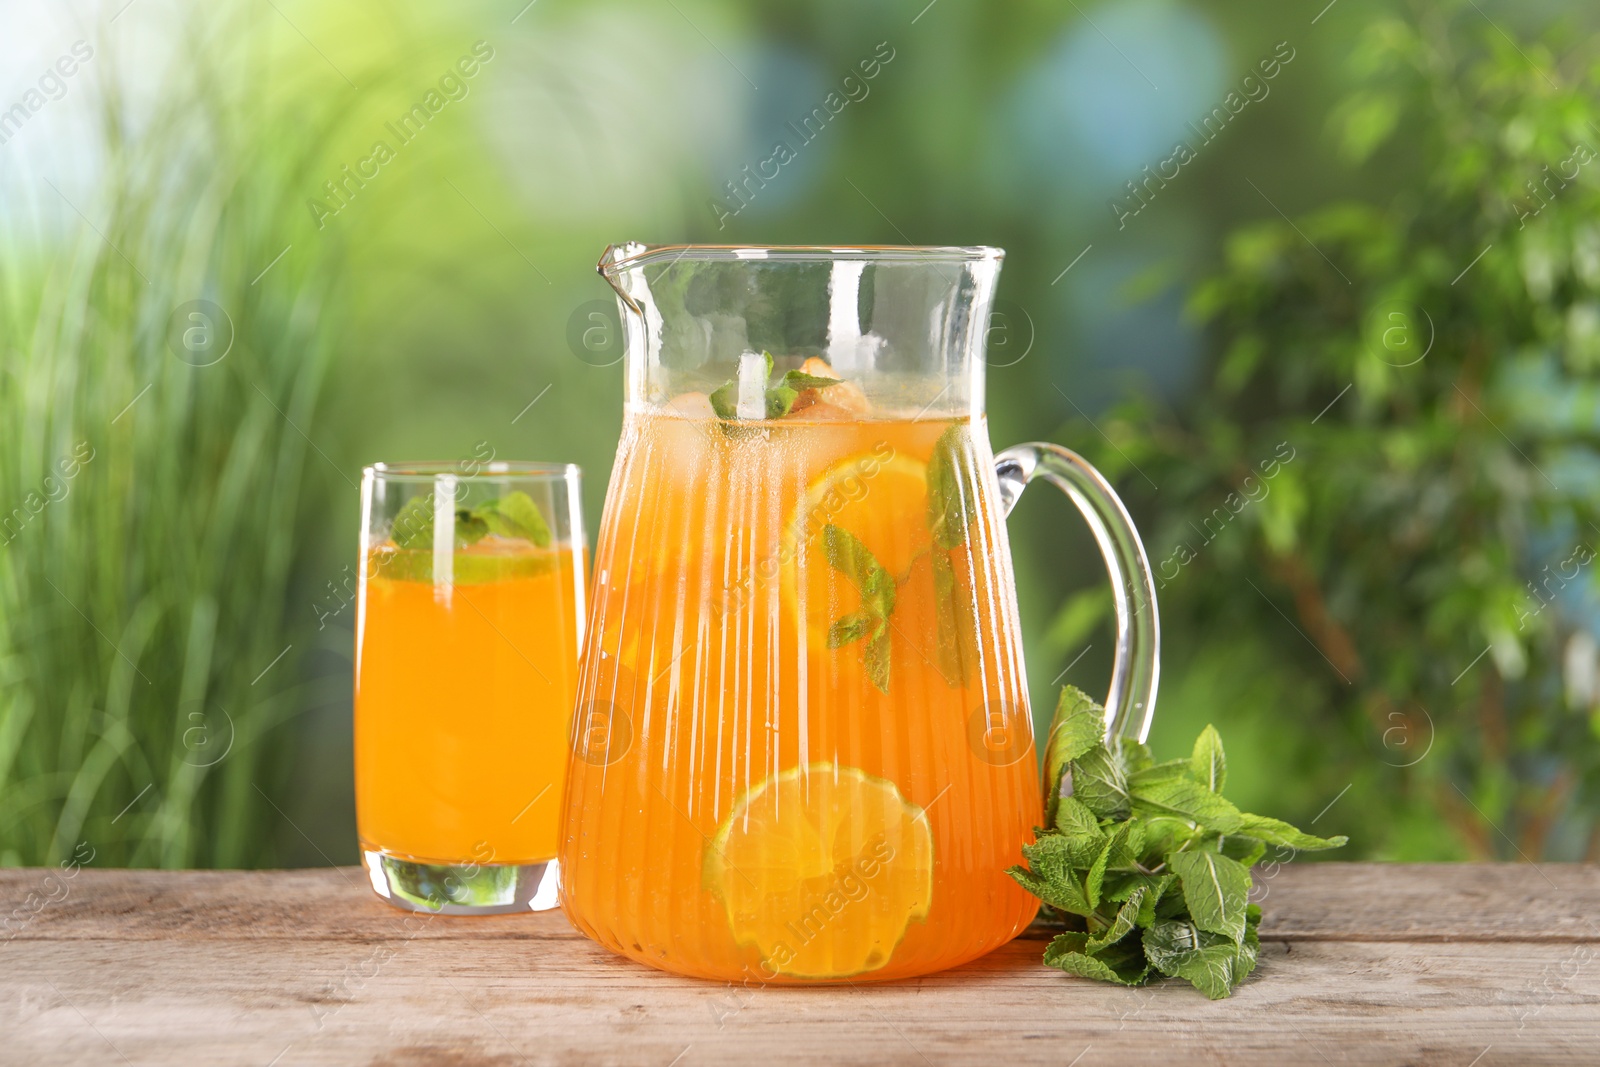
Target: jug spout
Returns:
[613, 267]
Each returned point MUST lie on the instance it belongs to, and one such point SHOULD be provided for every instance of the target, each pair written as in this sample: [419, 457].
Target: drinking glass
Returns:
[469, 621]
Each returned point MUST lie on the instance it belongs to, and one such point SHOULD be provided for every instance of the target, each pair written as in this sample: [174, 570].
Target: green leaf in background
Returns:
[1444, 388]
[1077, 618]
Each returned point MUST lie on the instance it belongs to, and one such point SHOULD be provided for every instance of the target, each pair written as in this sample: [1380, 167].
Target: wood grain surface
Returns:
[1471, 965]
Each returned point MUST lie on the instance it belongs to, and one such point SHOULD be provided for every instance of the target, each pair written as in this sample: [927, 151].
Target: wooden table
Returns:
[1466, 965]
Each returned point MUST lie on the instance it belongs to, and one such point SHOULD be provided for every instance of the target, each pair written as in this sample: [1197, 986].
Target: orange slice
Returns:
[821, 868]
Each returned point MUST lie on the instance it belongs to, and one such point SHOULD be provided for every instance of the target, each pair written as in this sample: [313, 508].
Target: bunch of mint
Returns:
[1149, 858]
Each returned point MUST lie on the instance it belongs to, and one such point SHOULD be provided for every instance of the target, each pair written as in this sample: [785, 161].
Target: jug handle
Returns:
[1131, 701]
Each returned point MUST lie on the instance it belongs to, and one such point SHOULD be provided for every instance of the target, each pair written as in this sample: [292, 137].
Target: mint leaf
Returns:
[470, 528]
[1120, 960]
[1278, 832]
[800, 381]
[955, 622]
[1207, 763]
[1160, 772]
[1214, 887]
[1126, 846]
[847, 555]
[1165, 833]
[1077, 726]
[1064, 957]
[849, 629]
[1247, 850]
[779, 398]
[516, 516]
[413, 523]
[1123, 925]
[1187, 799]
[1051, 878]
[1098, 781]
[1210, 962]
[876, 658]
[950, 488]
[1080, 826]
[725, 400]
[1096, 876]
[1133, 755]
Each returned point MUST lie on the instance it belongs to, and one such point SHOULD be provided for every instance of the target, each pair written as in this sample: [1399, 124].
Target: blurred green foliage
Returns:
[157, 408]
[448, 305]
[1380, 511]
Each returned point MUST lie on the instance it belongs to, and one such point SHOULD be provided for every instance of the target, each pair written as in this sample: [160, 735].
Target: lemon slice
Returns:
[821, 868]
[879, 497]
[472, 566]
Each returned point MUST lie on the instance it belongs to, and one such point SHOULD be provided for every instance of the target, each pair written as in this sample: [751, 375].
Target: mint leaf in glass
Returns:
[779, 399]
[516, 516]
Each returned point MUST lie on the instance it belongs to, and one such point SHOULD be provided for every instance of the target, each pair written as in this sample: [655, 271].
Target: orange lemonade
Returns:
[463, 696]
[802, 747]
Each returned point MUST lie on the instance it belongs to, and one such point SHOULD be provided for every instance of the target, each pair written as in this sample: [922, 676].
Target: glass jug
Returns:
[802, 746]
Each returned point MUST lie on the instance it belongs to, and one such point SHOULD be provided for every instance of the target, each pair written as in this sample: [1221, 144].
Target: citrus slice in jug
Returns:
[881, 499]
[821, 868]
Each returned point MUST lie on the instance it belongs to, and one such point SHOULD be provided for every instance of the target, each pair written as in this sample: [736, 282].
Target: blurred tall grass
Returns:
[143, 597]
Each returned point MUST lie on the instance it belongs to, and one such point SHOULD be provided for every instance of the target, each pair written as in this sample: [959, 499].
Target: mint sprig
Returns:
[1149, 858]
[780, 398]
[951, 500]
[847, 555]
[513, 516]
